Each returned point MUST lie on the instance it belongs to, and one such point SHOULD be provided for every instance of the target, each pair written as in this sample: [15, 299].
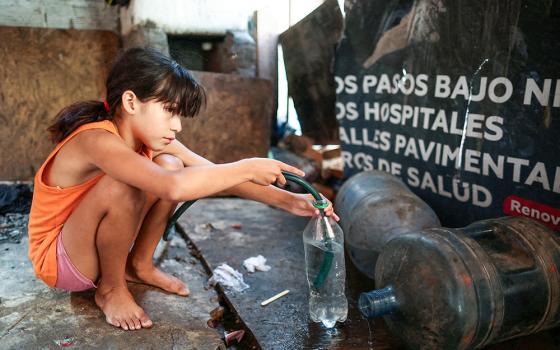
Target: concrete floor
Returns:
[33, 316]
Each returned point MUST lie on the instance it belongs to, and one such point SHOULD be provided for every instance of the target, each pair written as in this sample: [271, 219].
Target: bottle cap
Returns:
[321, 204]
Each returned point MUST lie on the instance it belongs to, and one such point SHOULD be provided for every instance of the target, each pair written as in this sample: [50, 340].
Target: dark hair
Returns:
[150, 75]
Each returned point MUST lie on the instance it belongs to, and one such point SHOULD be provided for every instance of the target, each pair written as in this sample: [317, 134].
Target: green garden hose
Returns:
[173, 220]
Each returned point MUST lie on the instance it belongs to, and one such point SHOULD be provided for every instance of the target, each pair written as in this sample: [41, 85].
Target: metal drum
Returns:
[466, 288]
[374, 207]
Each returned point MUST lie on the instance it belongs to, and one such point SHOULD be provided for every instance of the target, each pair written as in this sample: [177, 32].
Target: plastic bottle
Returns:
[465, 288]
[374, 207]
[324, 257]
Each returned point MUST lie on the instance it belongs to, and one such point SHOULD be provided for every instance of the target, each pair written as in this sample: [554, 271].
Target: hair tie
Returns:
[106, 105]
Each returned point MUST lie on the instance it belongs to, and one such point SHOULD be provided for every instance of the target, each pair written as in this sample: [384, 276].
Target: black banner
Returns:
[460, 99]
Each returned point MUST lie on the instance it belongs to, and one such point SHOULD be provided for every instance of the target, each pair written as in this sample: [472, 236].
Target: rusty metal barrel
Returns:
[466, 288]
[374, 207]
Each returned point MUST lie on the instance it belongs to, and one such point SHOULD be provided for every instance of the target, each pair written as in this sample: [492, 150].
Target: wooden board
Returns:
[309, 48]
[42, 71]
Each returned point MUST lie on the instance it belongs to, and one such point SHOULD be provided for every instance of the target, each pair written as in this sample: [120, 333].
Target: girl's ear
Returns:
[129, 102]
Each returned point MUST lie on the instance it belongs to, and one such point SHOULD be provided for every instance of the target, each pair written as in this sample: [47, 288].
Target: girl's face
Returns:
[155, 125]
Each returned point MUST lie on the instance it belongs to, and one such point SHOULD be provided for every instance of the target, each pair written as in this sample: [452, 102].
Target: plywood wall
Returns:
[41, 71]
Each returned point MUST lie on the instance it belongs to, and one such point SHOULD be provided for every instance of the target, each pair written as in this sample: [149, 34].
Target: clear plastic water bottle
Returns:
[326, 274]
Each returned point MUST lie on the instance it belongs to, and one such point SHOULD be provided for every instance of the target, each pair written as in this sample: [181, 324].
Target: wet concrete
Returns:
[231, 230]
[33, 316]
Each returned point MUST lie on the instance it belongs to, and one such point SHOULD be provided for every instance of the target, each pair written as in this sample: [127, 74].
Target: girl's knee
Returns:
[169, 162]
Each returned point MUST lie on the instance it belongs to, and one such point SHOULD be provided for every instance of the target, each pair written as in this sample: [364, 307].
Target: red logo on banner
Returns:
[516, 206]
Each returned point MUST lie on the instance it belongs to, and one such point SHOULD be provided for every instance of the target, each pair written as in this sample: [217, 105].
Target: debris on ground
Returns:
[177, 242]
[322, 164]
[302, 146]
[237, 335]
[66, 342]
[275, 297]
[228, 277]
[13, 227]
[256, 263]
[15, 198]
[216, 316]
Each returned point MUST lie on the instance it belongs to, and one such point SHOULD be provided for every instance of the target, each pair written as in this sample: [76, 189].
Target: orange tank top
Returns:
[51, 207]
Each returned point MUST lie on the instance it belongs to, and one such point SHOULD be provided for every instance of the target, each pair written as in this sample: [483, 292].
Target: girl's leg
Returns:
[97, 237]
[140, 267]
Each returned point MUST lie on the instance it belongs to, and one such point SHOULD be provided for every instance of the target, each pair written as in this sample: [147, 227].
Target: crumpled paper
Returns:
[237, 335]
[256, 263]
[228, 277]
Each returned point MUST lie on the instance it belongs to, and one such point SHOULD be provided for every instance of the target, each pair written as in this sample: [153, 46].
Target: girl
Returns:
[117, 174]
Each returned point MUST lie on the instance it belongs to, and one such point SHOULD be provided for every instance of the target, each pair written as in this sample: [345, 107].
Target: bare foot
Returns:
[120, 309]
[155, 277]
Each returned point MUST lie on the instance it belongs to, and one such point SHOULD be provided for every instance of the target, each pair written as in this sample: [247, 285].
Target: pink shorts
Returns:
[69, 278]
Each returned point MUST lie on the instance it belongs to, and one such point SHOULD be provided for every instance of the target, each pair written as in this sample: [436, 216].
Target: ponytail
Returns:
[72, 117]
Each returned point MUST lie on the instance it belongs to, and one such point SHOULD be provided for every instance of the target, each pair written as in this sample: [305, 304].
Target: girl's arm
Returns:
[188, 157]
[298, 204]
[110, 154]
[271, 195]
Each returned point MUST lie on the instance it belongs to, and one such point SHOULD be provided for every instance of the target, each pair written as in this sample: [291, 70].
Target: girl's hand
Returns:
[266, 171]
[301, 204]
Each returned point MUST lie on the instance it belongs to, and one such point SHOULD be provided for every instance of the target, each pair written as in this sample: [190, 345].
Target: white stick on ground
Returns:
[277, 296]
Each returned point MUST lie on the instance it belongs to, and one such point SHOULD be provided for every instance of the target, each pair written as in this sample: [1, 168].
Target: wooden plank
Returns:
[61, 14]
[42, 71]
[309, 48]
